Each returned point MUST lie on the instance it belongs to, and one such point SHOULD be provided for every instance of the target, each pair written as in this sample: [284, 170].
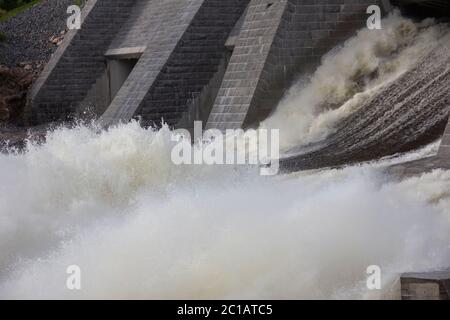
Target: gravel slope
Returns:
[27, 45]
[28, 34]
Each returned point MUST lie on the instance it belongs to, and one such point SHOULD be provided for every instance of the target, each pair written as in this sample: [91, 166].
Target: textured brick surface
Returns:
[78, 62]
[182, 47]
[185, 46]
[165, 21]
[279, 40]
[246, 66]
[444, 149]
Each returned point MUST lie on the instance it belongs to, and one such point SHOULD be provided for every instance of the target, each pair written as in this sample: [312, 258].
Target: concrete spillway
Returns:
[406, 114]
[228, 64]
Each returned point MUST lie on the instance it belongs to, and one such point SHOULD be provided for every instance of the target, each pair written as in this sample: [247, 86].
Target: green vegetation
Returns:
[2, 37]
[12, 4]
[14, 7]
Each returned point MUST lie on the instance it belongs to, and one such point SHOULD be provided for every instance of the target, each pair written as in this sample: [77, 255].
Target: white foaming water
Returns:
[113, 203]
[350, 75]
[140, 227]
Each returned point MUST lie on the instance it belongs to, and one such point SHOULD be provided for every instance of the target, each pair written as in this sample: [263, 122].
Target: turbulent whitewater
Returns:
[382, 93]
[112, 202]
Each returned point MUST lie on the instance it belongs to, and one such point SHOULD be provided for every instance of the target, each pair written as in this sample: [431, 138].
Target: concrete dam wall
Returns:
[406, 114]
[226, 63]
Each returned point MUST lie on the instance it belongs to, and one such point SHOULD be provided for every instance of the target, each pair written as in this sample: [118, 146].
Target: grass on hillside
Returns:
[16, 11]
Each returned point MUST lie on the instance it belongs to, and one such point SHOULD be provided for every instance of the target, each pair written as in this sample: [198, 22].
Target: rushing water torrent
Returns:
[381, 93]
[140, 227]
[113, 203]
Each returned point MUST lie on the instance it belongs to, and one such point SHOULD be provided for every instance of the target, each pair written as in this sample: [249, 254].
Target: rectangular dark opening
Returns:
[118, 72]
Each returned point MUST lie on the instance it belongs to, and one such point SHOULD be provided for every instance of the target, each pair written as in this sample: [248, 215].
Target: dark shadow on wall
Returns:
[424, 9]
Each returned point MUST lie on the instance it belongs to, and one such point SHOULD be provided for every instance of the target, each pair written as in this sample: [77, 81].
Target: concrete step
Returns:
[426, 285]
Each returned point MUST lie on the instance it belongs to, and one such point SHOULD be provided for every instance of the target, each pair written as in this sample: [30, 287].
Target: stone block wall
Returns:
[186, 48]
[193, 63]
[158, 29]
[247, 63]
[279, 40]
[77, 63]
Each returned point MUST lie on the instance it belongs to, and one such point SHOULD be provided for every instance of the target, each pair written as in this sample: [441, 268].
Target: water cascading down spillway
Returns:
[403, 114]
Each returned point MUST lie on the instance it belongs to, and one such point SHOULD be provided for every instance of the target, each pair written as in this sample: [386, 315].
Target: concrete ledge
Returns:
[125, 53]
[426, 286]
